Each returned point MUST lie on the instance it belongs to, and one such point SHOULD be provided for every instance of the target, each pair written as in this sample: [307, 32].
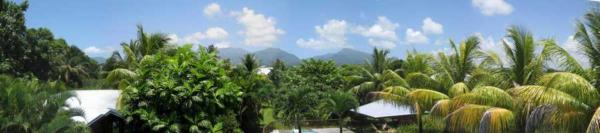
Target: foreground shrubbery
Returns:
[184, 92]
[31, 106]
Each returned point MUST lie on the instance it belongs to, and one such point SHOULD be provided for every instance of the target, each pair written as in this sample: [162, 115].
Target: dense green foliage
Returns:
[31, 106]
[185, 92]
[25, 51]
[537, 87]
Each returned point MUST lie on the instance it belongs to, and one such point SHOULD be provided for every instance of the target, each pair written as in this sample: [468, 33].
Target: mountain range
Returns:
[269, 55]
[346, 56]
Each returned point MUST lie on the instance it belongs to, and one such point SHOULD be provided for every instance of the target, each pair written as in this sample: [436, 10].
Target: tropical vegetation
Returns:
[532, 85]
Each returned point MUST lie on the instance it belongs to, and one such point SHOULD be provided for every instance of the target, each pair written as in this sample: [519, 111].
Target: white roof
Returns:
[264, 70]
[381, 108]
[93, 102]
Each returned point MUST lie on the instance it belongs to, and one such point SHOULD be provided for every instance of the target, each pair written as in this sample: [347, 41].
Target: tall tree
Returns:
[247, 77]
[276, 74]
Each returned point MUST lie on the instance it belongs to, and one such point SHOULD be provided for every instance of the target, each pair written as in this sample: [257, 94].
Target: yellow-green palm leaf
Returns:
[465, 119]
[571, 84]
[458, 89]
[425, 97]
[533, 96]
[497, 120]
[594, 126]
[441, 108]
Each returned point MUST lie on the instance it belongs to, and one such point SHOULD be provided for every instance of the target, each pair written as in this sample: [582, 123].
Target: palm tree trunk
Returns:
[298, 124]
[340, 123]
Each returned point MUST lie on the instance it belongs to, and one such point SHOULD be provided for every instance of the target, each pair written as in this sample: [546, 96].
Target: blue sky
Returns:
[305, 28]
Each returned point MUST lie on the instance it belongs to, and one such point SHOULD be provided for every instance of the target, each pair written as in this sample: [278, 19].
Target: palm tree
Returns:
[377, 77]
[276, 74]
[245, 75]
[459, 64]
[587, 35]
[527, 66]
[135, 52]
[32, 106]
[338, 103]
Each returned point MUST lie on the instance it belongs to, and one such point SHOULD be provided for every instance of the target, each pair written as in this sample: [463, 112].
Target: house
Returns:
[99, 107]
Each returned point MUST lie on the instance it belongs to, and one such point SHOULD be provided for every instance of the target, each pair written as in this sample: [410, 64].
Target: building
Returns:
[99, 107]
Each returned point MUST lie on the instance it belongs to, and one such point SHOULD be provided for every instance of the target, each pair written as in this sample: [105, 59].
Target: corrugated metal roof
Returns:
[381, 108]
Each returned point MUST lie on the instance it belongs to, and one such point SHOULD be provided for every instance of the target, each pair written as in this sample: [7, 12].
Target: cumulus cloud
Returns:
[259, 30]
[381, 34]
[95, 50]
[493, 7]
[415, 37]
[212, 9]
[214, 35]
[489, 44]
[432, 27]
[331, 35]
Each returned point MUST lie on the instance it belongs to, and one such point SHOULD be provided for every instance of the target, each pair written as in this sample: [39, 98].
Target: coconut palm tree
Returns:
[339, 103]
[588, 34]
[525, 65]
[462, 62]
[376, 77]
[135, 51]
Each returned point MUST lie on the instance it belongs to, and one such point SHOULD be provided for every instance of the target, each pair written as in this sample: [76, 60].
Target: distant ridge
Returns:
[269, 55]
[233, 54]
[346, 56]
[266, 56]
[99, 60]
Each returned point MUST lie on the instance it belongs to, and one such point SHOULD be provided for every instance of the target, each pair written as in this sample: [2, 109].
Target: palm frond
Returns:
[533, 96]
[458, 89]
[594, 126]
[497, 120]
[441, 108]
[425, 97]
[466, 119]
[487, 95]
[553, 52]
[420, 80]
[571, 84]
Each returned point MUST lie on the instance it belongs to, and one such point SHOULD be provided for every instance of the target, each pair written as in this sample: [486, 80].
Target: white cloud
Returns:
[95, 50]
[212, 9]
[415, 37]
[331, 35]
[223, 44]
[173, 38]
[432, 27]
[193, 38]
[493, 7]
[216, 33]
[489, 44]
[380, 34]
[259, 30]
[91, 50]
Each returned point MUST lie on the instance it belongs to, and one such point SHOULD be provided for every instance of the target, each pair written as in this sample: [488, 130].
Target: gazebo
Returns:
[381, 112]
